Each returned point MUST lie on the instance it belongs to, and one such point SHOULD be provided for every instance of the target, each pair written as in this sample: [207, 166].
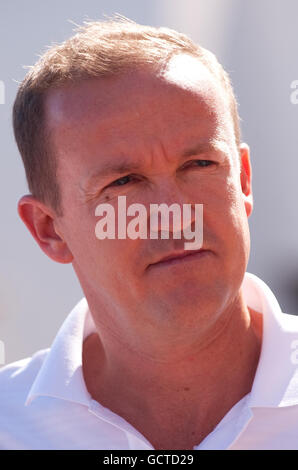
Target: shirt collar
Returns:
[61, 374]
[276, 379]
[275, 382]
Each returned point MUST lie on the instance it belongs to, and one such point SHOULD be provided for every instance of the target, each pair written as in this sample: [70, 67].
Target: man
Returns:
[169, 349]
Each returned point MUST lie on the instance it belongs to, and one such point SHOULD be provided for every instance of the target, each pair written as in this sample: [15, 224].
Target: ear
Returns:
[40, 221]
[245, 178]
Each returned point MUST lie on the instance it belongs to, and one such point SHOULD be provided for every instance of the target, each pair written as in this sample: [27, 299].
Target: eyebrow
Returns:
[121, 167]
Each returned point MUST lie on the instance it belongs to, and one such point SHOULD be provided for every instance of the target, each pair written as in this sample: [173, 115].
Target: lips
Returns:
[177, 256]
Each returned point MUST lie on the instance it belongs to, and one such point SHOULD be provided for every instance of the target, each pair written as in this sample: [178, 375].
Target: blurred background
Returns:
[257, 44]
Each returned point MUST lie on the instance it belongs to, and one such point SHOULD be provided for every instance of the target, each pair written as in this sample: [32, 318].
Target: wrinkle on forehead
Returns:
[184, 96]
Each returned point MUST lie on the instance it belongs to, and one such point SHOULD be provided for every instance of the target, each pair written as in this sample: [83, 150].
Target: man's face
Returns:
[176, 133]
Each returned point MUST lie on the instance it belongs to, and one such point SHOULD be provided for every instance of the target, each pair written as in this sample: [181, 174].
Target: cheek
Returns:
[109, 265]
[223, 208]
[234, 229]
[218, 193]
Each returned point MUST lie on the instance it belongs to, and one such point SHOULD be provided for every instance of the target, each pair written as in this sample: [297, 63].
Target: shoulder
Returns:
[16, 380]
[289, 322]
[18, 376]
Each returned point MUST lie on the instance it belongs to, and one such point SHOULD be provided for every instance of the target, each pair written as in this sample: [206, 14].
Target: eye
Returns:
[122, 181]
[200, 163]
[203, 162]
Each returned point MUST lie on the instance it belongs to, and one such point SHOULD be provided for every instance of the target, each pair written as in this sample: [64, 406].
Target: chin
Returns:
[188, 296]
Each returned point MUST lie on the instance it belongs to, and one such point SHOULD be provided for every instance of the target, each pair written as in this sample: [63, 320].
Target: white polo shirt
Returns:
[44, 402]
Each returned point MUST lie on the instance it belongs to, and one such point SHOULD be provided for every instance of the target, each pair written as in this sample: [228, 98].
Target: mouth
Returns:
[177, 258]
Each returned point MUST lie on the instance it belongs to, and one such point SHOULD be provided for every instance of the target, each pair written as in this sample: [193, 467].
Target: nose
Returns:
[171, 211]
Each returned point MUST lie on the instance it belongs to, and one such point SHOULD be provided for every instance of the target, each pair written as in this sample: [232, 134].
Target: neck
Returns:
[192, 386]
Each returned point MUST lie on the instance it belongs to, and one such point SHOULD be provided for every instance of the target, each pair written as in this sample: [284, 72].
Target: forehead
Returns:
[181, 101]
[189, 73]
[182, 73]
